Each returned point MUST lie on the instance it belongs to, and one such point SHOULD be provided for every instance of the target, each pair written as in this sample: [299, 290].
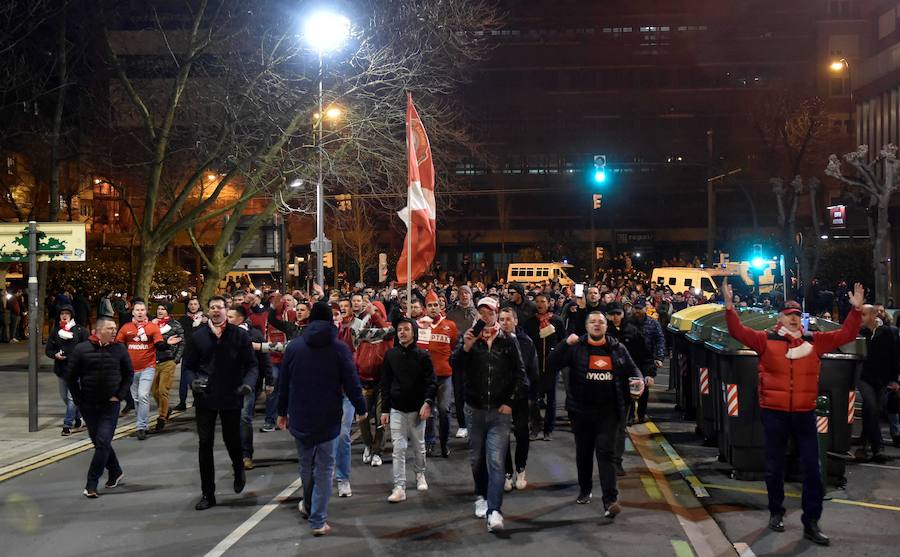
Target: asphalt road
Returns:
[44, 514]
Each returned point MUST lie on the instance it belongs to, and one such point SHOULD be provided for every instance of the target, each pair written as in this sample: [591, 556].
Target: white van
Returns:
[680, 279]
[538, 273]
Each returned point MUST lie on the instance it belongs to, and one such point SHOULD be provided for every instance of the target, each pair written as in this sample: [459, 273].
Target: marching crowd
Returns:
[488, 358]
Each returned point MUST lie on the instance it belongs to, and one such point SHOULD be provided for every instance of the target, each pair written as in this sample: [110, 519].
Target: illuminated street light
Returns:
[210, 177]
[325, 32]
[839, 66]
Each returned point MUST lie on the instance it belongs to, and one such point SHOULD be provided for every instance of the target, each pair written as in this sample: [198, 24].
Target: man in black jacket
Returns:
[99, 377]
[630, 336]
[408, 388]
[494, 378]
[223, 362]
[597, 393]
[879, 372]
[509, 325]
[237, 315]
[60, 344]
[545, 330]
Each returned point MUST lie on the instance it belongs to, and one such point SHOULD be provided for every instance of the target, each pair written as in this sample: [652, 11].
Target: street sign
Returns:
[325, 247]
[56, 241]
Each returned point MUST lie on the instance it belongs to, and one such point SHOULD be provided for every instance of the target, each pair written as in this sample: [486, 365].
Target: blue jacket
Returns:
[653, 340]
[316, 372]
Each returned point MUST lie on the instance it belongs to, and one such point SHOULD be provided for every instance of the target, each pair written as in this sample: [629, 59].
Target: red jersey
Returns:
[441, 339]
[140, 341]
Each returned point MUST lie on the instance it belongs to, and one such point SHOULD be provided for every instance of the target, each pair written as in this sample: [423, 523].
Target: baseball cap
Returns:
[615, 307]
[489, 302]
[791, 308]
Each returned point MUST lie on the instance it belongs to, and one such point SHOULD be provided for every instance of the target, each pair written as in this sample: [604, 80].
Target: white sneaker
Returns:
[397, 495]
[507, 483]
[521, 482]
[303, 512]
[344, 489]
[376, 460]
[495, 521]
[480, 507]
[421, 484]
[462, 433]
[367, 456]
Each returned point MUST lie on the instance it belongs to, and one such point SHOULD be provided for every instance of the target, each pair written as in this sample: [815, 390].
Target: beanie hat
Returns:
[320, 311]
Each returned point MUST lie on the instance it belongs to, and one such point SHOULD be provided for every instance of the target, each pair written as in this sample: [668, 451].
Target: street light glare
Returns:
[333, 113]
[837, 66]
[326, 31]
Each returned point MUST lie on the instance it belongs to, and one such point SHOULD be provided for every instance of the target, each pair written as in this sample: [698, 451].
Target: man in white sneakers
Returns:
[408, 387]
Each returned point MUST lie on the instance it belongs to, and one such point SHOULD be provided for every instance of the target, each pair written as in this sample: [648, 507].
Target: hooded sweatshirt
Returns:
[407, 376]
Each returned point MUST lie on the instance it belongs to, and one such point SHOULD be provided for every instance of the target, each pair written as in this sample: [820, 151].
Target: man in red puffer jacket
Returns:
[372, 337]
[788, 386]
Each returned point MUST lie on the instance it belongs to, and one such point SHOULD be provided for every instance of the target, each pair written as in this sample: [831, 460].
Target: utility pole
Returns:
[710, 200]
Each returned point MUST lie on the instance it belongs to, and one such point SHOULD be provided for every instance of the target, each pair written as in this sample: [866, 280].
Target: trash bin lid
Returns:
[702, 329]
[681, 320]
[854, 350]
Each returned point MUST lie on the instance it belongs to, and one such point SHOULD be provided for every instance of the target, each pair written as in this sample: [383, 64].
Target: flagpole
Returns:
[409, 227]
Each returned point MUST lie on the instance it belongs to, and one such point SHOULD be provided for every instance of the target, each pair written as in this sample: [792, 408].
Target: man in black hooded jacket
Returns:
[60, 344]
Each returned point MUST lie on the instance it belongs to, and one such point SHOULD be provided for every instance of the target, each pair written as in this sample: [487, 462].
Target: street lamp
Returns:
[325, 32]
[839, 67]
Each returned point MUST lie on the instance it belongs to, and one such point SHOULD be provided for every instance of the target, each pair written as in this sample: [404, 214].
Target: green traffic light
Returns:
[600, 176]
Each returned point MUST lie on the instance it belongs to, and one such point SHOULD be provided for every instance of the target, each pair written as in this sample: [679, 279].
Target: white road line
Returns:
[744, 550]
[251, 522]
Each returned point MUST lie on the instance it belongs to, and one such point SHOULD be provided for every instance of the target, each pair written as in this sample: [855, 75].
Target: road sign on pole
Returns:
[323, 248]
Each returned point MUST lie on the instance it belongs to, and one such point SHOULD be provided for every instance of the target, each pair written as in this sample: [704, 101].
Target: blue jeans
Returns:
[184, 383]
[778, 428]
[272, 399]
[894, 421]
[140, 392]
[342, 444]
[442, 407]
[72, 412]
[316, 467]
[247, 425]
[488, 443]
[101, 424]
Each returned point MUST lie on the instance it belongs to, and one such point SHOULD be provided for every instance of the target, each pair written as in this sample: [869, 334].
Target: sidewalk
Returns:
[17, 444]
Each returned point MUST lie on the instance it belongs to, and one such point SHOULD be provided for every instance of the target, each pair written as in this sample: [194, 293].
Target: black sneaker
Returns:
[612, 509]
[182, 406]
[141, 434]
[445, 451]
[114, 482]
[206, 502]
[776, 522]
[548, 436]
[620, 471]
[125, 411]
[267, 428]
[240, 480]
[66, 432]
[880, 458]
[812, 532]
[429, 451]
[77, 424]
[583, 498]
[160, 426]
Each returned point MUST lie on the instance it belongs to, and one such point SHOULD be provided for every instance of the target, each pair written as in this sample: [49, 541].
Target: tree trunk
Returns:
[211, 282]
[146, 268]
[879, 254]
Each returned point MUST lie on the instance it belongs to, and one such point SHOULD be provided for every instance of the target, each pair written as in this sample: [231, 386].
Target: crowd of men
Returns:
[488, 358]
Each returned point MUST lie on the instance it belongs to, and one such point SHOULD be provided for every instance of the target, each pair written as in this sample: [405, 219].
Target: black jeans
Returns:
[778, 428]
[206, 431]
[520, 428]
[872, 399]
[101, 424]
[642, 404]
[459, 399]
[596, 435]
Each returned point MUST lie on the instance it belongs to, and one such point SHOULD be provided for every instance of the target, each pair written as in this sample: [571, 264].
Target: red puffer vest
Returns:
[790, 384]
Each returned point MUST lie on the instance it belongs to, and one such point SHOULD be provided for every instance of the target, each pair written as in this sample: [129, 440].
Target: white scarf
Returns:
[141, 335]
[217, 329]
[65, 332]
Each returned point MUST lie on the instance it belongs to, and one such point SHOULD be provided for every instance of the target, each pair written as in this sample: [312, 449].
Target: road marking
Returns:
[257, 517]
[882, 466]
[55, 455]
[677, 461]
[796, 495]
[651, 488]
[705, 536]
[682, 548]
[743, 550]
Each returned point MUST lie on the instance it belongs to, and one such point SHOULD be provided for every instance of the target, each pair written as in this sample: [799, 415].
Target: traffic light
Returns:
[757, 261]
[599, 169]
[326, 260]
[345, 202]
[598, 200]
[292, 270]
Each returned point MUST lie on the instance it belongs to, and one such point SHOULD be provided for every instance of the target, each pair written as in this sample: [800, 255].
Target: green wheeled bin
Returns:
[679, 364]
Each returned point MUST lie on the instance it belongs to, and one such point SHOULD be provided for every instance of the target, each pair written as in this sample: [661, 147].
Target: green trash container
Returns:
[741, 424]
[679, 364]
[705, 366]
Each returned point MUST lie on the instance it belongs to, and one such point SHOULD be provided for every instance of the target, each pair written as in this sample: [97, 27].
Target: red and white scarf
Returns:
[197, 318]
[489, 332]
[163, 324]
[141, 335]
[797, 346]
[65, 329]
[217, 329]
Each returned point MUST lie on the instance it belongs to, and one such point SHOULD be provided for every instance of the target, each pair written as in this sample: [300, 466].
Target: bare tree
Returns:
[234, 93]
[876, 180]
[356, 222]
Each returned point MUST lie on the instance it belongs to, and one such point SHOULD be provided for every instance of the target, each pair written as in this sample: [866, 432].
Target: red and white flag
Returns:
[419, 213]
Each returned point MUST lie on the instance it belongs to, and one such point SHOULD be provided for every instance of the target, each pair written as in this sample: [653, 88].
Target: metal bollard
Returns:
[823, 416]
